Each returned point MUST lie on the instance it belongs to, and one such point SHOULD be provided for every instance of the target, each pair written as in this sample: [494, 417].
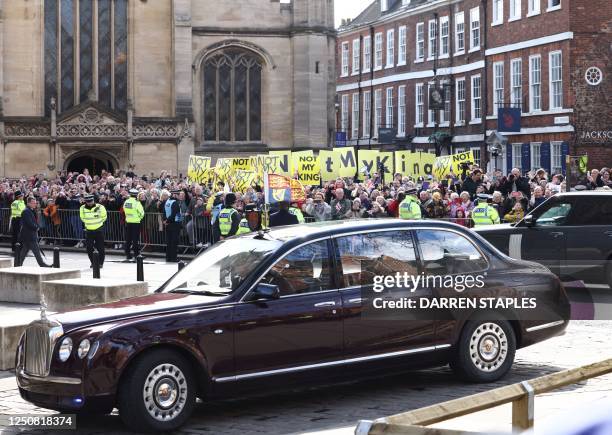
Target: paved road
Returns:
[336, 408]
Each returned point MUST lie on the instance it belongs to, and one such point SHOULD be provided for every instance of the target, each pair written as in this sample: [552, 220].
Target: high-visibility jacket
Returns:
[485, 214]
[93, 218]
[298, 214]
[17, 208]
[133, 211]
[178, 217]
[225, 220]
[409, 208]
[243, 228]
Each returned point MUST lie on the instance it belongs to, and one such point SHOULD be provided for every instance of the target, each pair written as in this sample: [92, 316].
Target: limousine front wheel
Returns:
[485, 351]
[158, 392]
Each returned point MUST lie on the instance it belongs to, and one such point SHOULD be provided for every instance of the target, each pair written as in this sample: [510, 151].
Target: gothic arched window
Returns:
[86, 53]
[232, 96]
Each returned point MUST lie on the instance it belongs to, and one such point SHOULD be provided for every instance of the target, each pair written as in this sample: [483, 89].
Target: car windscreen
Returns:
[222, 268]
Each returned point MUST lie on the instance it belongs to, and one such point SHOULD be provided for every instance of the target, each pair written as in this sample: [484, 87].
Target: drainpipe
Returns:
[372, 62]
[485, 88]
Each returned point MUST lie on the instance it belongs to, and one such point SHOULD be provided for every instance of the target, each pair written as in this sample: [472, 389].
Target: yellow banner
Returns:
[198, 169]
[347, 161]
[330, 165]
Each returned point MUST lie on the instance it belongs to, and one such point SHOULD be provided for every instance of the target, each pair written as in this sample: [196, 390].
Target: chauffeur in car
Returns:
[286, 307]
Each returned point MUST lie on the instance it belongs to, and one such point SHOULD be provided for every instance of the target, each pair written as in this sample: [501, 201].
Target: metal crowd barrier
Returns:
[68, 230]
[195, 231]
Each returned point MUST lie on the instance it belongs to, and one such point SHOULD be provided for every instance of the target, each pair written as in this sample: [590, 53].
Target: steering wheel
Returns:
[283, 283]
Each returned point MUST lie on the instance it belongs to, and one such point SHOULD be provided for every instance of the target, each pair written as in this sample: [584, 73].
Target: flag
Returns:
[277, 188]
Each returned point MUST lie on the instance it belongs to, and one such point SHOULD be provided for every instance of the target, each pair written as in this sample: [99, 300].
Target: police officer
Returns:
[229, 218]
[172, 213]
[297, 213]
[483, 213]
[410, 207]
[17, 208]
[93, 217]
[134, 213]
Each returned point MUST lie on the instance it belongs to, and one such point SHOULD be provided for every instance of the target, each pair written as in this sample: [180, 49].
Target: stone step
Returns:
[6, 262]
[67, 294]
[24, 284]
[14, 319]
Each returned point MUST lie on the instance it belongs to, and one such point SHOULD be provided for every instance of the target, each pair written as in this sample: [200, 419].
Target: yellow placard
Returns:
[330, 165]
[347, 161]
[309, 170]
[444, 165]
[243, 180]
[414, 165]
[241, 163]
[284, 162]
[198, 169]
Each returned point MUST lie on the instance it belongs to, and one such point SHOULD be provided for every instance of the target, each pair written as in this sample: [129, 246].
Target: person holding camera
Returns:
[471, 183]
[318, 208]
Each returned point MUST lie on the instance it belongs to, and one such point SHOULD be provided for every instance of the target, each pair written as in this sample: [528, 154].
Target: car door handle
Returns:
[325, 304]
[557, 234]
[355, 301]
[608, 233]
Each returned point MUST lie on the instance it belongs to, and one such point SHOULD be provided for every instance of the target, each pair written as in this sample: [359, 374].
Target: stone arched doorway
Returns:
[94, 161]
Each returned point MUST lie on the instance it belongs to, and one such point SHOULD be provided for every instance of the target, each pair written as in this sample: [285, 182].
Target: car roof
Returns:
[585, 193]
[334, 228]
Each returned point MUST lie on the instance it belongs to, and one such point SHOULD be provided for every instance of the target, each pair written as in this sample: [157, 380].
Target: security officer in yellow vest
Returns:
[297, 213]
[93, 217]
[17, 208]
[229, 218]
[172, 212]
[134, 213]
[483, 213]
[410, 207]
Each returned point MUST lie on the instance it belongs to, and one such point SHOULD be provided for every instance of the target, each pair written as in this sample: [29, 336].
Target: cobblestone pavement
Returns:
[337, 408]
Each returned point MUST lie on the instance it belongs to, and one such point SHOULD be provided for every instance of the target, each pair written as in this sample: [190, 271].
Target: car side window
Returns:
[307, 269]
[363, 256]
[591, 211]
[448, 253]
[555, 216]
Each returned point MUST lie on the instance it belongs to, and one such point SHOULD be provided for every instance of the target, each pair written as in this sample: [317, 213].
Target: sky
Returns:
[349, 9]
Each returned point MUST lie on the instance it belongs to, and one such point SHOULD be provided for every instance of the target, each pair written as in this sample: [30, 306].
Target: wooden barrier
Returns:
[521, 396]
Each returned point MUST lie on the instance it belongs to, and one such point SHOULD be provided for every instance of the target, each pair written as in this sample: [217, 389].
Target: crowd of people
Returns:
[60, 197]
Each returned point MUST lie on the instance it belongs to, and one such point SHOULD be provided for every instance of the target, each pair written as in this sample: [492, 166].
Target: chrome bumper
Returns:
[21, 374]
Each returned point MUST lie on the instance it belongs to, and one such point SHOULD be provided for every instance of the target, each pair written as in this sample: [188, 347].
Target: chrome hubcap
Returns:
[488, 347]
[165, 392]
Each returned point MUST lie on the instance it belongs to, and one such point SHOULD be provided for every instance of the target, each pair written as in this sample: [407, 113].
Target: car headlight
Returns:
[83, 348]
[65, 349]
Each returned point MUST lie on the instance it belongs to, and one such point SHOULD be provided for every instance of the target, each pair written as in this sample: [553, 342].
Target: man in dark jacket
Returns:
[471, 183]
[28, 236]
[516, 183]
[283, 216]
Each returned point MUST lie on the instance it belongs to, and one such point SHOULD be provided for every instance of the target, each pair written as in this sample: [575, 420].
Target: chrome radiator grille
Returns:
[40, 337]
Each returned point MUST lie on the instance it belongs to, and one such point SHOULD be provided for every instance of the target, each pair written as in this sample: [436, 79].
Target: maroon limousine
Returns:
[292, 306]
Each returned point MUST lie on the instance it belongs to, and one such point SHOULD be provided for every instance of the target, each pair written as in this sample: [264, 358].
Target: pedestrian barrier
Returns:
[521, 395]
[66, 229]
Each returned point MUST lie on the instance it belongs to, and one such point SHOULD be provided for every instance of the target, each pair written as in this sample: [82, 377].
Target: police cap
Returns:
[89, 198]
[133, 192]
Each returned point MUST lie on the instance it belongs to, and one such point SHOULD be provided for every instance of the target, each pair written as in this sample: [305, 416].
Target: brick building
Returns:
[549, 58]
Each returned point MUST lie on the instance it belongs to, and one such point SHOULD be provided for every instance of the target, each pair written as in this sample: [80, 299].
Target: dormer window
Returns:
[384, 5]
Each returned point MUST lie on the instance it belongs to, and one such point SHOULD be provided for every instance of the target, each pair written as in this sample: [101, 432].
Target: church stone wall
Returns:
[25, 159]
[22, 58]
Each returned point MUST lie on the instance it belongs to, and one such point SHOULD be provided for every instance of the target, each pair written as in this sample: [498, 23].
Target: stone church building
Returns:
[119, 84]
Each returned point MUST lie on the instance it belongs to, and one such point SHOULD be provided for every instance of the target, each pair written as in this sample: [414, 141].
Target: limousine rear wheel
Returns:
[486, 349]
[158, 392]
